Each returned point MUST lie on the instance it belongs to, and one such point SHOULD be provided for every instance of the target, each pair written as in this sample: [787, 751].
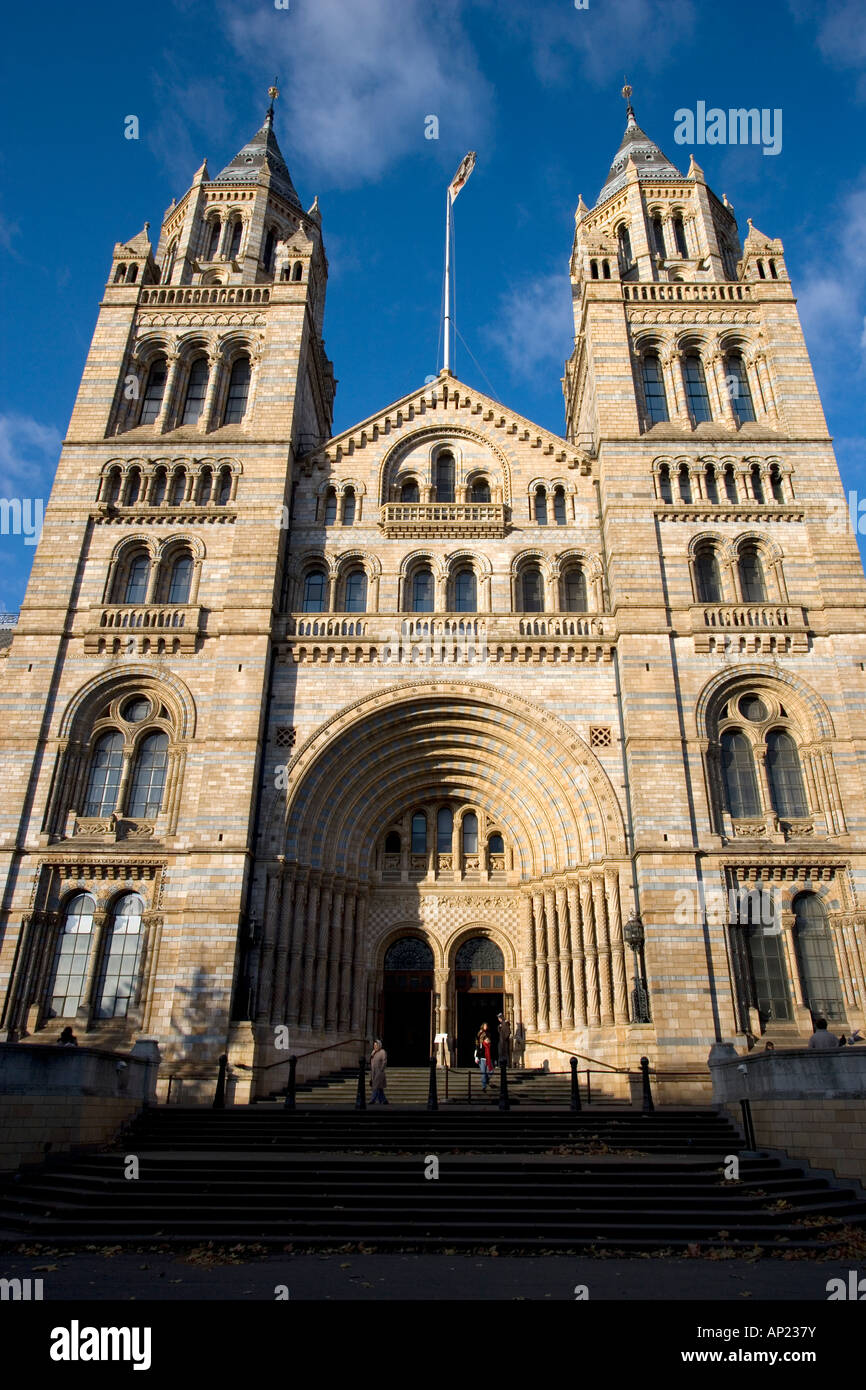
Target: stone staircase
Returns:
[533, 1181]
[409, 1086]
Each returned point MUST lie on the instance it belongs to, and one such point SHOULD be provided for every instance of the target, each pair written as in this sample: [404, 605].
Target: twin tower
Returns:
[314, 738]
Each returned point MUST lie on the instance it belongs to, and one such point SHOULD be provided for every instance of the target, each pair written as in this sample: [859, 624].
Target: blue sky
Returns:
[532, 85]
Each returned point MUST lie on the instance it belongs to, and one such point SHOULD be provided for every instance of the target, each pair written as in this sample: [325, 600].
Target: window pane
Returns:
[117, 977]
[559, 507]
[785, 775]
[752, 576]
[235, 243]
[816, 958]
[445, 478]
[330, 507]
[712, 485]
[738, 384]
[709, 580]
[685, 484]
[665, 484]
[205, 487]
[541, 507]
[239, 386]
[481, 491]
[178, 487]
[349, 508]
[105, 773]
[470, 833]
[136, 581]
[409, 492]
[153, 393]
[225, 488]
[680, 237]
[654, 389]
[195, 392]
[658, 236]
[465, 592]
[533, 590]
[315, 589]
[770, 990]
[738, 769]
[730, 485]
[356, 592]
[148, 776]
[419, 833]
[73, 953]
[181, 579]
[696, 388]
[422, 591]
[496, 845]
[444, 827]
[575, 591]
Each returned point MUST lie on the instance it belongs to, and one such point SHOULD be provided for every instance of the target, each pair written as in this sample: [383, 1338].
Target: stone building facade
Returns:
[313, 738]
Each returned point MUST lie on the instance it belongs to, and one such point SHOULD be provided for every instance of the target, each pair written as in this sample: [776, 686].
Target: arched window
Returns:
[270, 246]
[469, 831]
[593, 270]
[224, 491]
[574, 587]
[496, 844]
[772, 265]
[148, 776]
[737, 381]
[153, 392]
[419, 833]
[711, 483]
[731, 484]
[196, 389]
[181, 580]
[654, 389]
[708, 579]
[105, 769]
[757, 483]
[532, 590]
[680, 237]
[409, 491]
[392, 842]
[133, 487]
[136, 579]
[761, 271]
[356, 591]
[816, 957]
[330, 507]
[298, 271]
[212, 238]
[205, 486]
[540, 507]
[178, 487]
[658, 236]
[665, 483]
[168, 265]
[752, 584]
[465, 591]
[605, 270]
[422, 590]
[738, 769]
[349, 507]
[622, 236]
[112, 491]
[235, 241]
[445, 478]
[119, 274]
[158, 487]
[559, 507]
[239, 386]
[696, 388]
[133, 275]
[776, 484]
[315, 591]
[73, 953]
[481, 490]
[685, 484]
[119, 973]
[785, 775]
[444, 829]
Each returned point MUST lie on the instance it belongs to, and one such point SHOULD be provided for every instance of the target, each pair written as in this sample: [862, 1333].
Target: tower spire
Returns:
[626, 94]
[273, 93]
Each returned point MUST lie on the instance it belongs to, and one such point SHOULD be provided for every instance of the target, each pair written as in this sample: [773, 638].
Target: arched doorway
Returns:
[407, 1002]
[479, 968]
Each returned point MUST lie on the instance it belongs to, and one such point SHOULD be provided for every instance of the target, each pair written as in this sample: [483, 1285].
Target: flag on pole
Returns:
[467, 164]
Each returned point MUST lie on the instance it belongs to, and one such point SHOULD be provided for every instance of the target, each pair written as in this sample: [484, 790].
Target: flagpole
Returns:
[447, 362]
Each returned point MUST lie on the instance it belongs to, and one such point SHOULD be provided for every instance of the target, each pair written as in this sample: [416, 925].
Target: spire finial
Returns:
[273, 93]
[626, 96]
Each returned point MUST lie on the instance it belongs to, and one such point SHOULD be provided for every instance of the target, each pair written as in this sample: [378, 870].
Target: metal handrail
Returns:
[266, 1066]
[568, 1053]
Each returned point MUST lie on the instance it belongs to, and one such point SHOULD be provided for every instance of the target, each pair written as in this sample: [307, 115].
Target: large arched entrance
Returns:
[480, 983]
[406, 1027]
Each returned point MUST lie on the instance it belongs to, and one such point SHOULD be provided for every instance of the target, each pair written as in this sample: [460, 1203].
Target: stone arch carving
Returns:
[434, 436]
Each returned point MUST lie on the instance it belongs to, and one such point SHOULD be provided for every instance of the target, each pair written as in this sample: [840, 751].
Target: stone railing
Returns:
[205, 294]
[787, 1073]
[146, 623]
[443, 519]
[749, 615]
[433, 639]
[668, 290]
[42, 1069]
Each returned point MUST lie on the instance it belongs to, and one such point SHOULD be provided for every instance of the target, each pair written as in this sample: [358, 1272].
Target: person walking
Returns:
[504, 1051]
[822, 1040]
[484, 1055]
[378, 1067]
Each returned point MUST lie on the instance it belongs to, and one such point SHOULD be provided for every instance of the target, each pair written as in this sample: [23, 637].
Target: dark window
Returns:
[709, 580]
[356, 591]
[785, 775]
[575, 591]
[73, 953]
[239, 387]
[769, 975]
[181, 579]
[479, 953]
[409, 491]
[470, 833]
[298, 271]
[757, 484]
[665, 484]
[532, 587]
[559, 507]
[235, 242]
[224, 491]
[105, 770]
[178, 487]
[315, 591]
[696, 388]
[740, 391]
[195, 392]
[409, 953]
[119, 274]
[445, 478]
[158, 487]
[730, 484]
[136, 709]
[133, 275]
[168, 265]
[444, 829]
[270, 244]
[654, 389]
[465, 592]
[624, 245]
[752, 576]
[133, 487]
[481, 490]
[776, 484]
[738, 768]
[392, 842]
[349, 507]
[712, 484]
[330, 507]
[685, 484]
[540, 507]
[148, 776]
[816, 958]
[213, 239]
[113, 491]
[680, 237]
[422, 591]
[593, 270]
[153, 392]
[495, 844]
[658, 236]
[419, 833]
[772, 265]
[205, 487]
[136, 580]
[119, 973]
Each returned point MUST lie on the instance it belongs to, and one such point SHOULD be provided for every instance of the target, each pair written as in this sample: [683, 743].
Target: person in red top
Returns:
[484, 1055]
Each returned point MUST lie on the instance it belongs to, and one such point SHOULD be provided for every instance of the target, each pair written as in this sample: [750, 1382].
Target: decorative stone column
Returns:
[578, 965]
[321, 973]
[540, 961]
[528, 943]
[591, 957]
[358, 975]
[295, 966]
[565, 976]
[603, 941]
[84, 1012]
[720, 378]
[270, 931]
[344, 1012]
[310, 938]
[614, 917]
[553, 959]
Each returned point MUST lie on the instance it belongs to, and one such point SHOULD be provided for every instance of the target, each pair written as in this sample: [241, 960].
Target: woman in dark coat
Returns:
[484, 1054]
[378, 1065]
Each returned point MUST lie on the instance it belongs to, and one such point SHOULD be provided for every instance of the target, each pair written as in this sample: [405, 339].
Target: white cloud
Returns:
[534, 326]
[358, 79]
[831, 304]
[28, 456]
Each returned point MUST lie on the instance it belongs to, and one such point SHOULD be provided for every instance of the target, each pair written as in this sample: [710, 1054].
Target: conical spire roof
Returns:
[651, 163]
[249, 162]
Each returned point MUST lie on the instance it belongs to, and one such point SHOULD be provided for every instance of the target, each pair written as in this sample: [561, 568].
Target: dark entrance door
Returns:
[408, 996]
[480, 980]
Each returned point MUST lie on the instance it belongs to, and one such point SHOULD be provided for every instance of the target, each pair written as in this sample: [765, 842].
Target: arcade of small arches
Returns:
[143, 571]
[692, 381]
[746, 482]
[197, 384]
[745, 569]
[182, 482]
[443, 841]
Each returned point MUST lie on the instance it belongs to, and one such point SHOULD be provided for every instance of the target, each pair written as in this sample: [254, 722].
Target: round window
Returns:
[136, 709]
[752, 707]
